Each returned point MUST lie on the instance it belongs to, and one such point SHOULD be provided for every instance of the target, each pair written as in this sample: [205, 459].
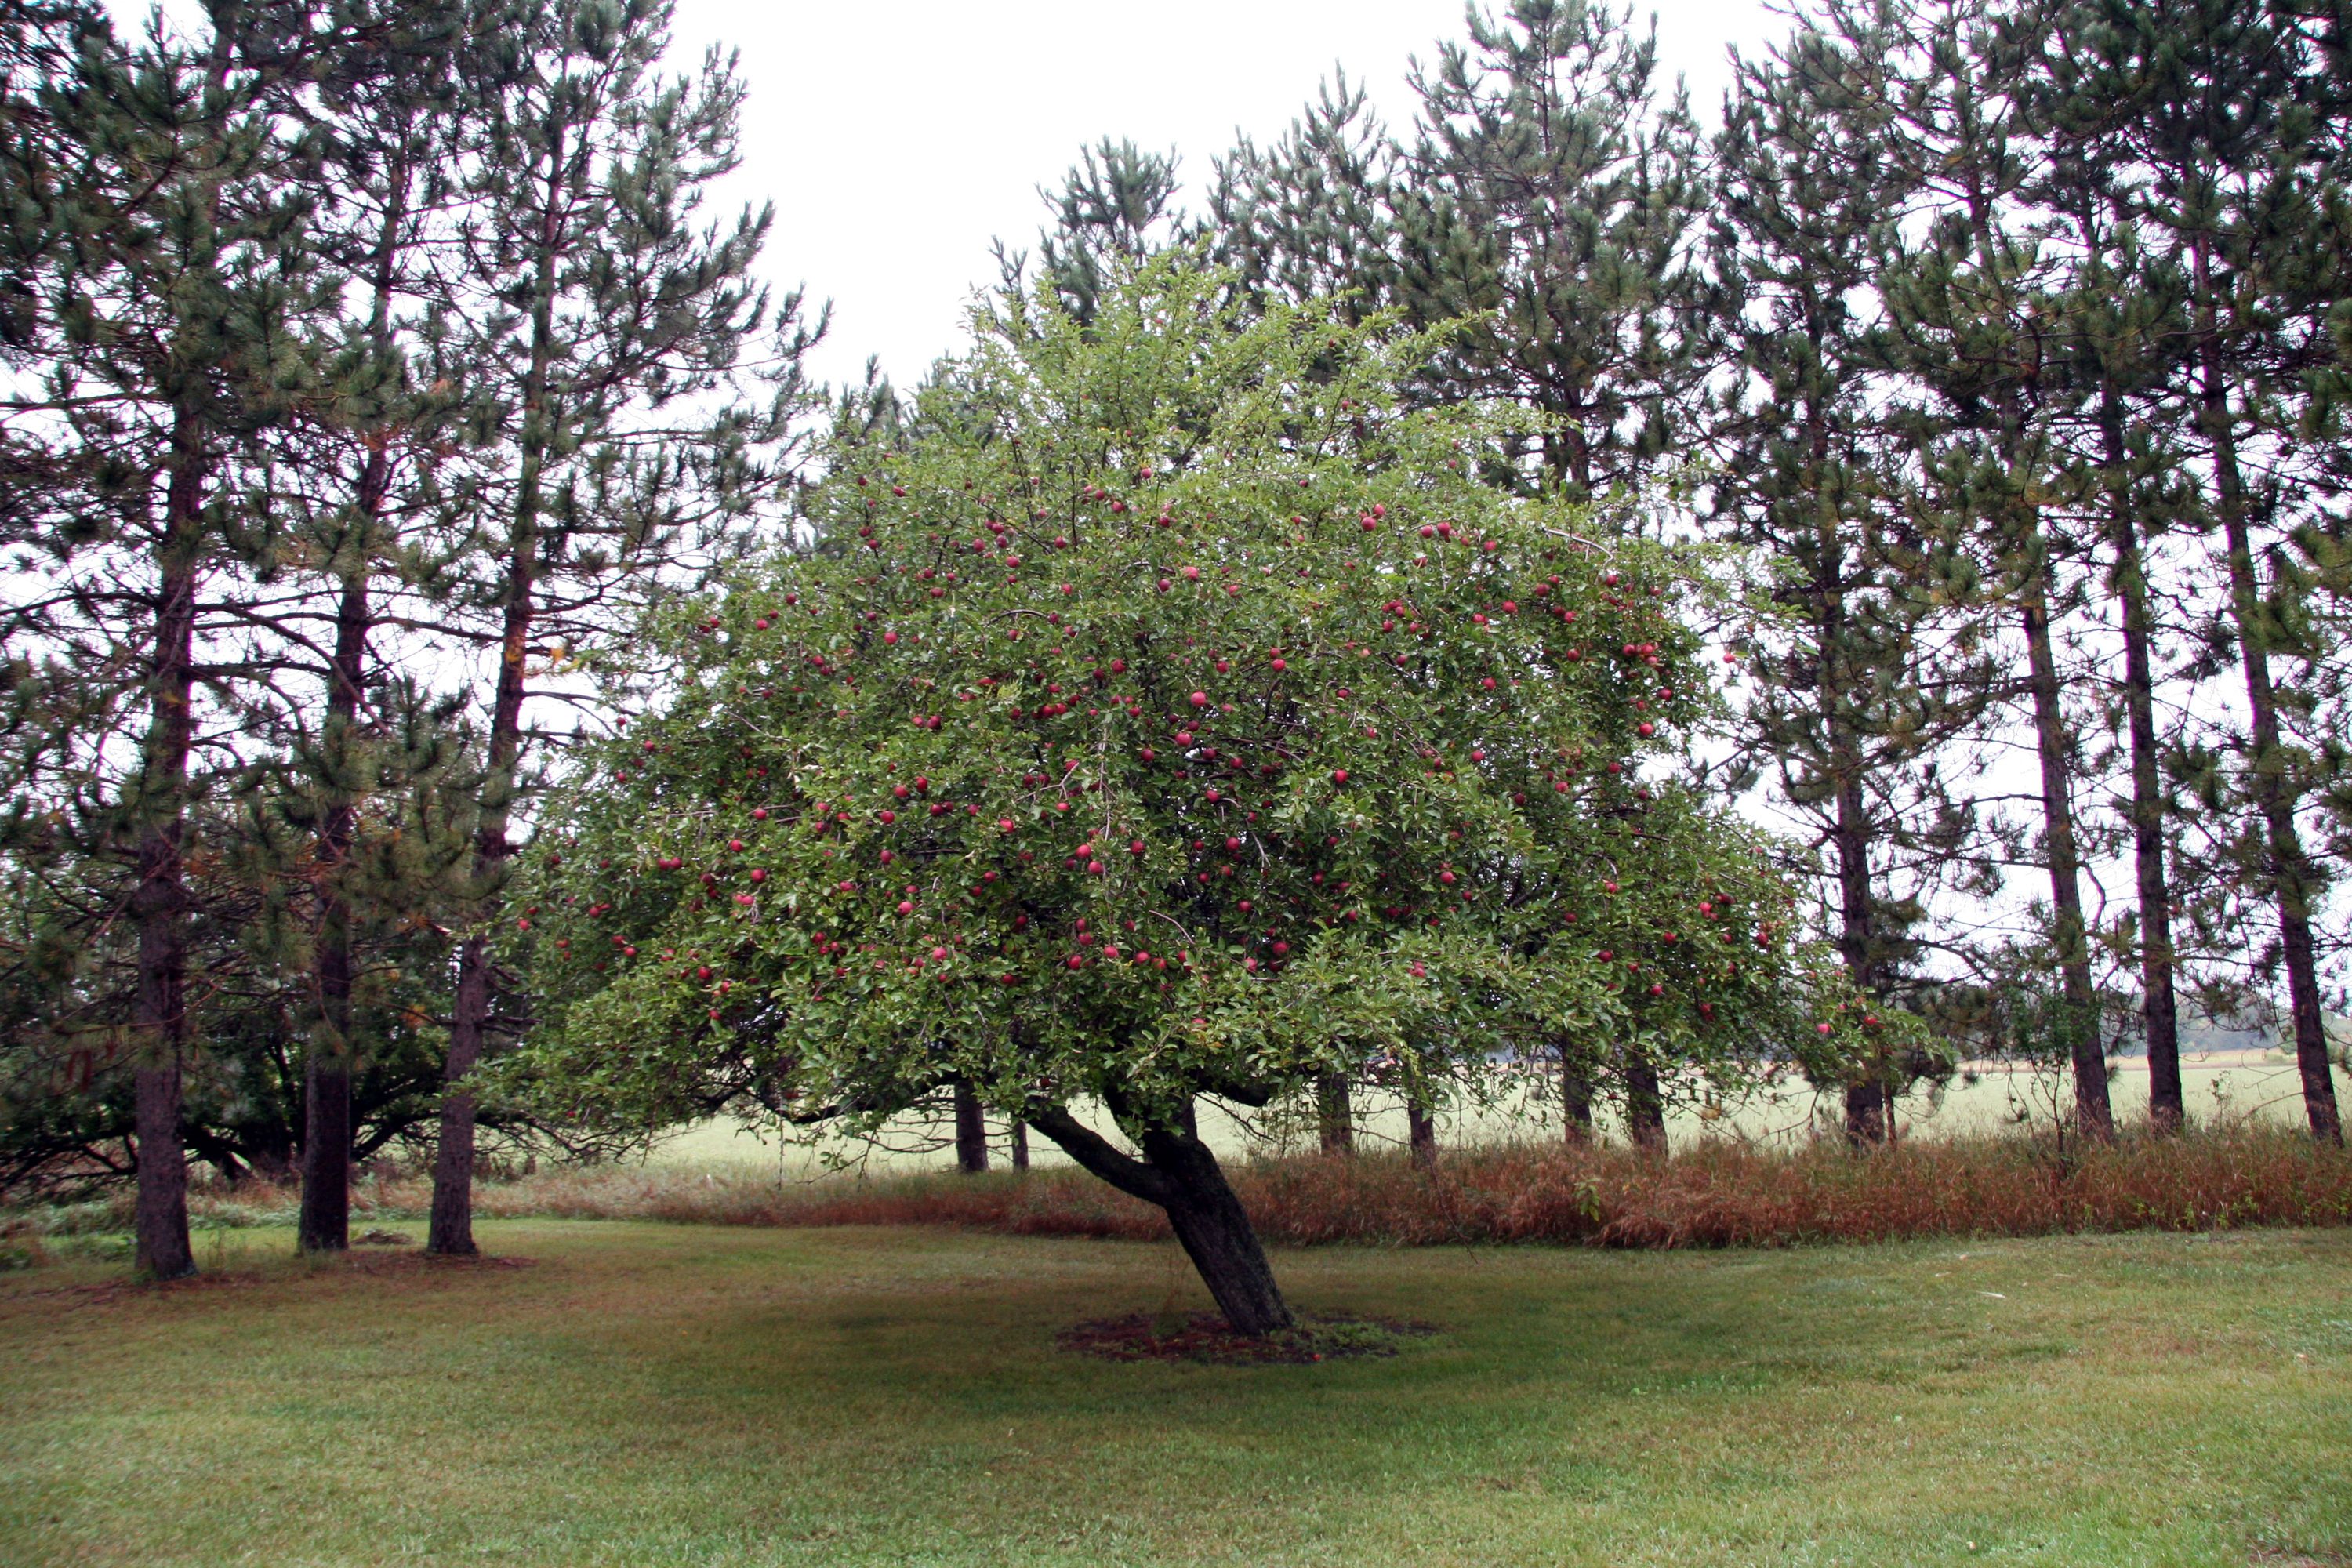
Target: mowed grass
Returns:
[688, 1394]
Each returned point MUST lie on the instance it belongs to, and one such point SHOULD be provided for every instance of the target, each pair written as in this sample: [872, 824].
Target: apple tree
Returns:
[1175, 716]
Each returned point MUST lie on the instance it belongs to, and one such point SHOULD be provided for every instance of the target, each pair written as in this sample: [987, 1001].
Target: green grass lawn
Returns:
[659, 1395]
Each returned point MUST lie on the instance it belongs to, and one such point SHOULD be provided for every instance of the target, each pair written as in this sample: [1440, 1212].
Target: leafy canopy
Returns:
[1177, 714]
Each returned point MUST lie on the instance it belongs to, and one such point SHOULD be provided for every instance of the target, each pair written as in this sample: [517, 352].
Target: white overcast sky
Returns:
[898, 141]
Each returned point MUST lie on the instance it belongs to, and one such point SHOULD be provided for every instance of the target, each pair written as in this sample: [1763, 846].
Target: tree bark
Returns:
[324, 1223]
[1866, 1118]
[325, 1220]
[451, 1230]
[971, 1132]
[1865, 1113]
[2289, 868]
[159, 902]
[1180, 1173]
[2159, 1011]
[1645, 1105]
[1020, 1145]
[1575, 1097]
[1421, 1134]
[2086, 1049]
[1335, 1119]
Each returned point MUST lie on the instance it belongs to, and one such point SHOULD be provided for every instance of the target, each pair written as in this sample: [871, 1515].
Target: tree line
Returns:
[2006, 341]
[368, 366]
[375, 373]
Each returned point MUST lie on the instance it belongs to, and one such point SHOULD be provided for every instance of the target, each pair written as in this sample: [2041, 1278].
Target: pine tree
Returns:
[1313, 215]
[1545, 213]
[599, 315]
[1549, 203]
[159, 271]
[1116, 204]
[1971, 305]
[1805, 467]
[2121, 316]
[355, 485]
[2224, 120]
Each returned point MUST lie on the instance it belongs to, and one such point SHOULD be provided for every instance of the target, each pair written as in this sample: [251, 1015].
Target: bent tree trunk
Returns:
[1180, 1173]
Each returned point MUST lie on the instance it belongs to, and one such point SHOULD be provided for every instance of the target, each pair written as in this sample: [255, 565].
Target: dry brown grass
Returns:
[1721, 1195]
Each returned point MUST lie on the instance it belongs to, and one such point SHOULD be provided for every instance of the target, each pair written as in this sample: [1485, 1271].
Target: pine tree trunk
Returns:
[2289, 868]
[453, 1165]
[325, 1220]
[971, 1132]
[1865, 1098]
[2093, 1109]
[159, 903]
[449, 1232]
[331, 1060]
[2160, 1012]
[1335, 1118]
[1421, 1134]
[1866, 1118]
[1575, 1097]
[324, 1223]
[1645, 1106]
